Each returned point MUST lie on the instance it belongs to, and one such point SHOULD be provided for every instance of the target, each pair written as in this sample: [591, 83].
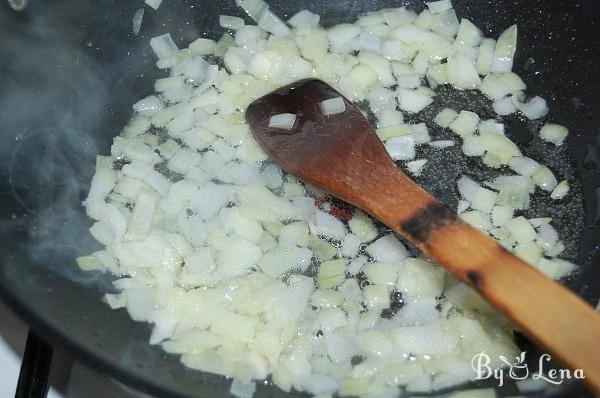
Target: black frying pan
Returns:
[69, 72]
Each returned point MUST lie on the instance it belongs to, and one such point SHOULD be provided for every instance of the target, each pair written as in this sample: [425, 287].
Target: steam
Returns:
[59, 108]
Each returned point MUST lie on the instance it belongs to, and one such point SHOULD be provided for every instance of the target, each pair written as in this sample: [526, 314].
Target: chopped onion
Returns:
[420, 133]
[242, 390]
[230, 22]
[416, 166]
[465, 124]
[342, 34]
[273, 24]
[137, 21]
[534, 109]
[501, 215]
[442, 143]
[504, 106]
[504, 51]
[236, 259]
[282, 121]
[463, 205]
[544, 178]
[462, 73]
[304, 19]
[254, 8]
[467, 188]
[555, 268]
[485, 56]
[437, 7]
[332, 106]
[154, 3]
[445, 117]
[520, 229]
[561, 190]
[468, 34]
[401, 148]
[413, 101]
[163, 46]
[554, 133]
[524, 165]
[387, 249]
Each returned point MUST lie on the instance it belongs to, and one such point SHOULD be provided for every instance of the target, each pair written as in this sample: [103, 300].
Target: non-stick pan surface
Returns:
[69, 72]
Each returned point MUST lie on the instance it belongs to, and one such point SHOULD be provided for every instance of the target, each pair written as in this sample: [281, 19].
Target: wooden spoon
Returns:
[342, 154]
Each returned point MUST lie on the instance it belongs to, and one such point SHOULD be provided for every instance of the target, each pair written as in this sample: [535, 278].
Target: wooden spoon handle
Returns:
[550, 314]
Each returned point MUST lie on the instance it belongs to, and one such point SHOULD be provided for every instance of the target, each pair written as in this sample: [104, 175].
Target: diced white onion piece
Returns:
[534, 109]
[524, 165]
[437, 7]
[154, 3]
[544, 178]
[472, 146]
[512, 81]
[389, 117]
[485, 56]
[465, 124]
[468, 33]
[304, 19]
[504, 106]
[362, 226]
[494, 88]
[547, 237]
[501, 215]
[467, 187]
[529, 252]
[387, 249]
[231, 22]
[442, 143]
[325, 224]
[420, 133]
[282, 121]
[504, 51]
[254, 8]
[137, 21]
[401, 148]
[554, 133]
[341, 34]
[163, 46]
[484, 200]
[521, 230]
[415, 166]
[332, 106]
[446, 24]
[380, 65]
[242, 390]
[413, 101]
[398, 16]
[445, 117]
[363, 75]
[462, 73]
[350, 246]
[477, 218]
[331, 274]
[273, 24]
[561, 190]
[462, 206]
[202, 46]
[490, 126]
[555, 268]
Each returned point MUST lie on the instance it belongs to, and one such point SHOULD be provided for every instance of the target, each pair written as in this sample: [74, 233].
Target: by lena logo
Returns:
[519, 370]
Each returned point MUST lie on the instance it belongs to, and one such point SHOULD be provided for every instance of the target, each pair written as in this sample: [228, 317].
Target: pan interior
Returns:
[70, 71]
